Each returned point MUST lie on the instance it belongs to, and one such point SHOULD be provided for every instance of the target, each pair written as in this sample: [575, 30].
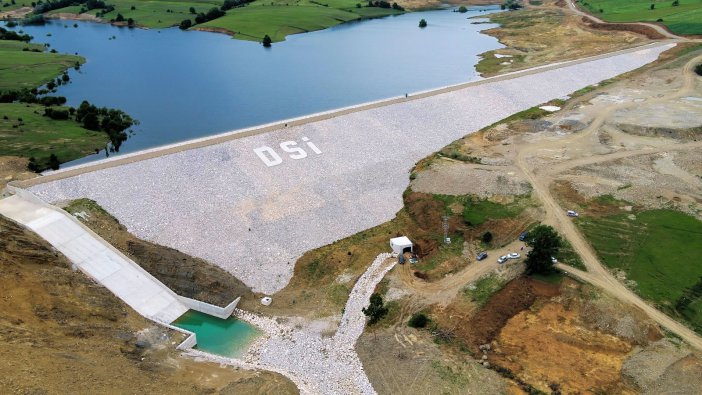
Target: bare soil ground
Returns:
[603, 345]
[13, 168]
[546, 34]
[61, 332]
[405, 360]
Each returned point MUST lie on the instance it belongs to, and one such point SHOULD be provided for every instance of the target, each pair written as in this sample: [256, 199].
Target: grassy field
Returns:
[660, 250]
[281, 18]
[39, 136]
[685, 18]
[152, 13]
[25, 69]
[277, 18]
[476, 212]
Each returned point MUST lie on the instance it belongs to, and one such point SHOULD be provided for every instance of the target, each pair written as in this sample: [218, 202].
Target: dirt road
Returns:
[556, 216]
[443, 291]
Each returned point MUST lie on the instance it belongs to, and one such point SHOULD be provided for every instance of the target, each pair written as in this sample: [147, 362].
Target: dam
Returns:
[252, 201]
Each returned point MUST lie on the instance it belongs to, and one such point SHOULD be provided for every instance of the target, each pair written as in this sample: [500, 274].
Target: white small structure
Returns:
[266, 300]
[401, 244]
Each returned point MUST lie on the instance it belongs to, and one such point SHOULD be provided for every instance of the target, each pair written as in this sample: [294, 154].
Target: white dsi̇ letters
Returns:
[271, 158]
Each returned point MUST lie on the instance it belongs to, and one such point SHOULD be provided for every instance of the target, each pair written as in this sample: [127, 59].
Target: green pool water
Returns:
[229, 338]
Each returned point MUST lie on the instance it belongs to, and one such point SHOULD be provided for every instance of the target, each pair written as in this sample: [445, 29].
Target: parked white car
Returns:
[571, 213]
[513, 255]
[502, 259]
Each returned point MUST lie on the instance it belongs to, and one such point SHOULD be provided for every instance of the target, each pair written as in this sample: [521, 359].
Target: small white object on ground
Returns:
[266, 300]
[550, 108]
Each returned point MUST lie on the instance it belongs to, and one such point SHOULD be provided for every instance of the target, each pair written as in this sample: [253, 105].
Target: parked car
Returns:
[523, 236]
[481, 256]
[571, 213]
[554, 260]
[502, 259]
[513, 255]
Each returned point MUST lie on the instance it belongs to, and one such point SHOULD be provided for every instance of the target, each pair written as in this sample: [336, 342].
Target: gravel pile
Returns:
[315, 363]
[223, 204]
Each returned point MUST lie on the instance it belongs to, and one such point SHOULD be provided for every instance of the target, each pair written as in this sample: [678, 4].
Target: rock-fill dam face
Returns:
[253, 203]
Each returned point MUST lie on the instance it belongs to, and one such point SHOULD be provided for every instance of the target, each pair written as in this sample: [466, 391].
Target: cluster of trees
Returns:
[229, 4]
[108, 120]
[34, 20]
[14, 36]
[385, 4]
[41, 7]
[511, 5]
[120, 18]
[31, 96]
[53, 164]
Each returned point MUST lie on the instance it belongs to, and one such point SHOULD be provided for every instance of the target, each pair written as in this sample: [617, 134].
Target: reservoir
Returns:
[182, 85]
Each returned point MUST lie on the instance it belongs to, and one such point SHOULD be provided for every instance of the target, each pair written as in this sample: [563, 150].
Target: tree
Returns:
[130, 22]
[544, 243]
[54, 162]
[33, 165]
[698, 69]
[120, 18]
[422, 23]
[192, 10]
[376, 309]
[653, 6]
[185, 24]
[676, 3]
[91, 121]
[462, 9]
[267, 41]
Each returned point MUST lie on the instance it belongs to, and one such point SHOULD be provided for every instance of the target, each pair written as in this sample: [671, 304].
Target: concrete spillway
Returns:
[252, 202]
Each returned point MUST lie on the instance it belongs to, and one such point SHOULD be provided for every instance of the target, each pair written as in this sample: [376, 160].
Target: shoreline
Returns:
[225, 136]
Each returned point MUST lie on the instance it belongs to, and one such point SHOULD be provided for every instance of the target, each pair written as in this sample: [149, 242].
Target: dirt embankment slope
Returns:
[185, 275]
[61, 332]
[540, 35]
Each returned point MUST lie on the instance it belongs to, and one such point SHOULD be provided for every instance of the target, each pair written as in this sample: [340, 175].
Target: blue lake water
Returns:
[182, 85]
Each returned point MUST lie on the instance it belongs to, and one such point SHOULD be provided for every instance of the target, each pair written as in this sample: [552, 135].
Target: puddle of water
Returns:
[229, 338]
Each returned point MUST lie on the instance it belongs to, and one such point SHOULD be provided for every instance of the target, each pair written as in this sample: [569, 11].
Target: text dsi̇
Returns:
[270, 157]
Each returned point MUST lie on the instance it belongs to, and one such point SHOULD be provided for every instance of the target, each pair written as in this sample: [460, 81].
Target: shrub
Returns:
[185, 24]
[376, 309]
[698, 69]
[54, 163]
[418, 320]
[267, 41]
[422, 23]
[462, 9]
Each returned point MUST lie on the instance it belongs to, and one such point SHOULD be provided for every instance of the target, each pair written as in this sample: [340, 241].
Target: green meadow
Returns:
[277, 19]
[685, 18]
[25, 132]
[660, 250]
[20, 68]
